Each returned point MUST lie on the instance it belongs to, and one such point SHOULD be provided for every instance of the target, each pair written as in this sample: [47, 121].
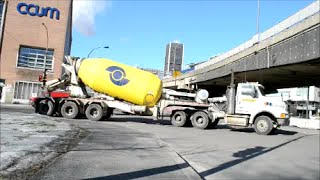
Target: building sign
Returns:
[36, 10]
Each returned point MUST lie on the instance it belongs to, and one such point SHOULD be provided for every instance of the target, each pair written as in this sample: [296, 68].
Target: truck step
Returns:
[238, 120]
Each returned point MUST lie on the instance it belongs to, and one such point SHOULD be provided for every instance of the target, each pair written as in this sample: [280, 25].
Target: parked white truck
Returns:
[246, 104]
[249, 106]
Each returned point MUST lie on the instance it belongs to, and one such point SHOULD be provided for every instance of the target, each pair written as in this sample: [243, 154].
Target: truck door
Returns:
[246, 98]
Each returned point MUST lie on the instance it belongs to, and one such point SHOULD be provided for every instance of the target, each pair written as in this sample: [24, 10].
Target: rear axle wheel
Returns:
[179, 119]
[94, 112]
[200, 120]
[69, 110]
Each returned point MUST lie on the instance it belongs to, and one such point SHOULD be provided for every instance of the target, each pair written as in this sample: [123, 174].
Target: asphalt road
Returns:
[130, 147]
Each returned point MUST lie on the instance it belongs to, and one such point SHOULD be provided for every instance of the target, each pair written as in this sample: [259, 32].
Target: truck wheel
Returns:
[263, 125]
[200, 120]
[108, 114]
[94, 112]
[69, 110]
[214, 123]
[179, 118]
[46, 107]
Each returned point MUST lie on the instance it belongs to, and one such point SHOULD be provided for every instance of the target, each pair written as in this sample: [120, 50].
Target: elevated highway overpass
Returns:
[287, 57]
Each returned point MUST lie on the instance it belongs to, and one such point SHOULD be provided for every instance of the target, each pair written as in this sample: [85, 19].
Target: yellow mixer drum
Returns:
[121, 81]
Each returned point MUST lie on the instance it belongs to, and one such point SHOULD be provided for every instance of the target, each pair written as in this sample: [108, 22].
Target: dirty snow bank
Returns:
[30, 141]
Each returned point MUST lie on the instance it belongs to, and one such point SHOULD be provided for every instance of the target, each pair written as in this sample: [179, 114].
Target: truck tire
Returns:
[200, 120]
[263, 125]
[214, 123]
[45, 107]
[108, 114]
[179, 119]
[94, 112]
[69, 110]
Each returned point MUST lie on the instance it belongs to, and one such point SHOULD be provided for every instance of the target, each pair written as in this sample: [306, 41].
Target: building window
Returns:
[35, 58]
[302, 92]
[23, 90]
[1, 10]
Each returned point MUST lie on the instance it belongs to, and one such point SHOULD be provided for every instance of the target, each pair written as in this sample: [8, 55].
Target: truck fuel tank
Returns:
[120, 81]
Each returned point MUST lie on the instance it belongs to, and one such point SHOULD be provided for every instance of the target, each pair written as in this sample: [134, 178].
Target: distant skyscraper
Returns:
[174, 58]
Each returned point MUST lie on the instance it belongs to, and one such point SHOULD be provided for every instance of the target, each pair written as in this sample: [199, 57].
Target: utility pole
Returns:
[174, 60]
[2, 16]
[307, 114]
[45, 58]
[174, 66]
[231, 95]
[258, 22]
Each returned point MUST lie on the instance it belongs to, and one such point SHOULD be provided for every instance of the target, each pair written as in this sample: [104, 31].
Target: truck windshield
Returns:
[261, 89]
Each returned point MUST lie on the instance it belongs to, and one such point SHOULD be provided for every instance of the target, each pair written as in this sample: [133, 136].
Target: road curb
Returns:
[305, 123]
[189, 171]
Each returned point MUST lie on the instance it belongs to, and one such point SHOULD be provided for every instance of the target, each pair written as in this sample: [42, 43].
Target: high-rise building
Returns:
[174, 58]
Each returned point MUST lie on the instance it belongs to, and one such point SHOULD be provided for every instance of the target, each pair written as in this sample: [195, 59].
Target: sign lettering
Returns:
[36, 10]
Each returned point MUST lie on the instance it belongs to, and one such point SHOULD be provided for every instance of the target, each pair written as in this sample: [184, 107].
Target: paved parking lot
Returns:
[240, 153]
[130, 147]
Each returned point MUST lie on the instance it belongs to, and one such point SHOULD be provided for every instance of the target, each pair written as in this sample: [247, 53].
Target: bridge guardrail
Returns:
[283, 25]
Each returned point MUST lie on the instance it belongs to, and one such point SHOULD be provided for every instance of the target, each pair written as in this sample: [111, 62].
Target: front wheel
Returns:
[263, 125]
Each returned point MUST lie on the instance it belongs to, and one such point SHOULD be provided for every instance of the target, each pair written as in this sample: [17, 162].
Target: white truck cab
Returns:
[252, 107]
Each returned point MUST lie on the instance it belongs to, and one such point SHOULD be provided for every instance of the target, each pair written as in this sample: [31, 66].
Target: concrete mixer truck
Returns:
[134, 91]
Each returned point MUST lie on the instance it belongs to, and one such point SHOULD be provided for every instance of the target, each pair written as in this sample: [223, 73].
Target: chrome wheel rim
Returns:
[262, 125]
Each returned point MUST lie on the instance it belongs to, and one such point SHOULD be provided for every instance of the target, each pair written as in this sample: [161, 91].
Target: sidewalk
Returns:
[305, 123]
[29, 141]
[14, 105]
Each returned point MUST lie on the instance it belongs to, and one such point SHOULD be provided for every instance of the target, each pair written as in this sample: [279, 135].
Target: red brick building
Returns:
[25, 48]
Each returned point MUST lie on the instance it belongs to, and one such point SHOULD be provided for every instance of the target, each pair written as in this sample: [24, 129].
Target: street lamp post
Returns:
[106, 47]
[258, 21]
[45, 56]
[174, 61]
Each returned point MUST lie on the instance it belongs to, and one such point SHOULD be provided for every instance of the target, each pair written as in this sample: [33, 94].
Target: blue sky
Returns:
[138, 31]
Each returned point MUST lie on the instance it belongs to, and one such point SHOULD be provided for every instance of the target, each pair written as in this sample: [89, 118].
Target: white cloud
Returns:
[85, 12]
[176, 41]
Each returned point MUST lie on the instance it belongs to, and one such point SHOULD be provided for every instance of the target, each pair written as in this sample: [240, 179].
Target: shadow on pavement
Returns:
[144, 173]
[248, 152]
[245, 155]
[251, 130]
[148, 120]
[138, 119]
[276, 132]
